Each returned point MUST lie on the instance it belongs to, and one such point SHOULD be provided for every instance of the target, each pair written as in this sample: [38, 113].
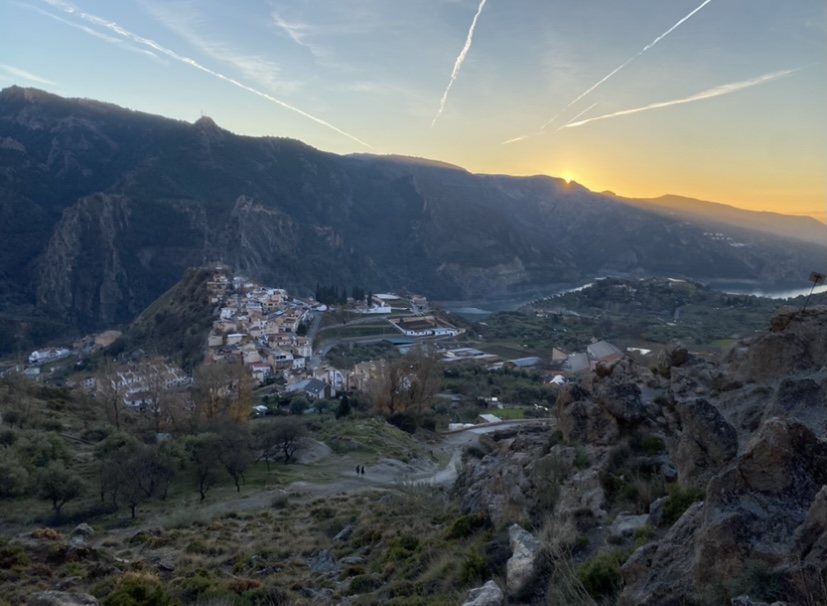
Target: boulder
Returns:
[754, 507]
[83, 530]
[586, 422]
[625, 525]
[674, 354]
[706, 443]
[61, 598]
[623, 401]
[658, 574]
[582, 493]
[796, 343]
[489, 594]
[520, 569]
[323, 562]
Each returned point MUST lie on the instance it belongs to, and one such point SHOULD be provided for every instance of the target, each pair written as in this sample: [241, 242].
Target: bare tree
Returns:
[407, 384]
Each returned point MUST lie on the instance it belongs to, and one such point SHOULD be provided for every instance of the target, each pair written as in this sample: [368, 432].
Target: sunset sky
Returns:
[721, 100]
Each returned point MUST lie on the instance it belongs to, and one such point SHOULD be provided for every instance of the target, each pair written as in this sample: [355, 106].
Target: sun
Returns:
[567, 180]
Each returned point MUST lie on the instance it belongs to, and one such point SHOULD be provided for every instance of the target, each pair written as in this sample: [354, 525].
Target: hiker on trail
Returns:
[362, 471]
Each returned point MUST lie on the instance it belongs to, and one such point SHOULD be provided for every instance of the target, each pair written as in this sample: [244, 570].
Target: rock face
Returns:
[767, 507]
[61, 598]
[796, 343]
[587, 422]
[705, 444]
[489, 594]
[521, 564]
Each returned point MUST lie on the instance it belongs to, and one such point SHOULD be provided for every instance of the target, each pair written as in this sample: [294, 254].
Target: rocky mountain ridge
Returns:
[692, 482]
[104, 208]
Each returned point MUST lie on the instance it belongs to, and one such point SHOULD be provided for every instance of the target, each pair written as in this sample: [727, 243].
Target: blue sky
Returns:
[726, 105]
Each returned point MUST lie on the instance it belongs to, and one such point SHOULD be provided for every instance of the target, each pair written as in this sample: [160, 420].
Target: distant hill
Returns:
[176, 324]
[712, 213]
[102, 209]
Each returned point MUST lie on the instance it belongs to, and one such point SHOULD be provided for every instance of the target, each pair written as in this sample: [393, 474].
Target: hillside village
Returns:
[270, 334]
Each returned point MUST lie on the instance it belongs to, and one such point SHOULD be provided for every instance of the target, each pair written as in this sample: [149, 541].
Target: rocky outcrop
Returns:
[587, 422]
[767, 508]
[796, 343]
[489, 594]
[61, 598]
[500, 484]
[705, 444]
[521, 565]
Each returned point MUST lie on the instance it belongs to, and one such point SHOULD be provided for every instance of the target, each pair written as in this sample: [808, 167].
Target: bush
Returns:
[136, 589]
[600, 576]
[758, 582]
[465, 526]
[679, 501]
[364, 583]
[474, 569]
[280, 501]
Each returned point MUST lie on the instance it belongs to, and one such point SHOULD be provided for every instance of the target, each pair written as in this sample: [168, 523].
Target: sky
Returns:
[720, 100]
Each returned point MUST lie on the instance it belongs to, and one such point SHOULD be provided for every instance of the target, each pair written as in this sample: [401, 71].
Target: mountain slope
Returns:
[801, 228]
[102, 209]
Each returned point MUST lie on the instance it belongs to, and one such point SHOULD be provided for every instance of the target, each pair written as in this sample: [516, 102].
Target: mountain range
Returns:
[102, 209]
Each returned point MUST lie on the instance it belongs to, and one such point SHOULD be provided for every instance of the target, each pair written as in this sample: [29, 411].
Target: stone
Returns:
[675, 354]
[586, 422]
[84, 530]
[61, 598]
[706, 443]
[344, 534]
[489, 594]
[625, 525]
[520, 568]
[322, 562]
[656, 511]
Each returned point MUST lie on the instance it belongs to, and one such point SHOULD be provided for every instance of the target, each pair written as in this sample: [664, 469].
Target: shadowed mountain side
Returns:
[102, 209]
[712, 213]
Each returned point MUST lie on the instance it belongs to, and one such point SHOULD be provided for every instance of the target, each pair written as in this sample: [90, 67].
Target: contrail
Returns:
[577, 116]
[111, 25]
[718, 91]
[458, 63]
[645, 48]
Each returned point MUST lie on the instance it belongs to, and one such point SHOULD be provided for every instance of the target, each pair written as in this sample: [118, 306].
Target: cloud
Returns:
[460, 60]
[298, 33]
[589, 108]
[718, 91]
[112, 26]
[16, 72]
[645, 48]
[265, 73]
[93, 32]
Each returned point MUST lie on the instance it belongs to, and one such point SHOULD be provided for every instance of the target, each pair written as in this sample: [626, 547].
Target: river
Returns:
[476, 310]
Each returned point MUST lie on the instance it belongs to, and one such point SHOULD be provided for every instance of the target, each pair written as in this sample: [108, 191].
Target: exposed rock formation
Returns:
[766, 507]
[489, 594]
[521, 565]
[62, 598]
[705, 444]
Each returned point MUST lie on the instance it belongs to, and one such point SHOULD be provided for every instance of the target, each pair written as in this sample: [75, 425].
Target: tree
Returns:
[278, 437]
[109, 391]
[407, 384]
[235, 453]
[205, 453]
[14, 479]
[132, 470]
[59, 485]
[298, 405]
[343, 409]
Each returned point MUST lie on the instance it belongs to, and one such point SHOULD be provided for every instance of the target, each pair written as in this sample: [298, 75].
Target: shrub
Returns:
[758, 582]
[280, 501]
[679, 501]
[600, 576]
[136, 589]
[474, 569]
[465, 526]
[12, 556]
[364, 583]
